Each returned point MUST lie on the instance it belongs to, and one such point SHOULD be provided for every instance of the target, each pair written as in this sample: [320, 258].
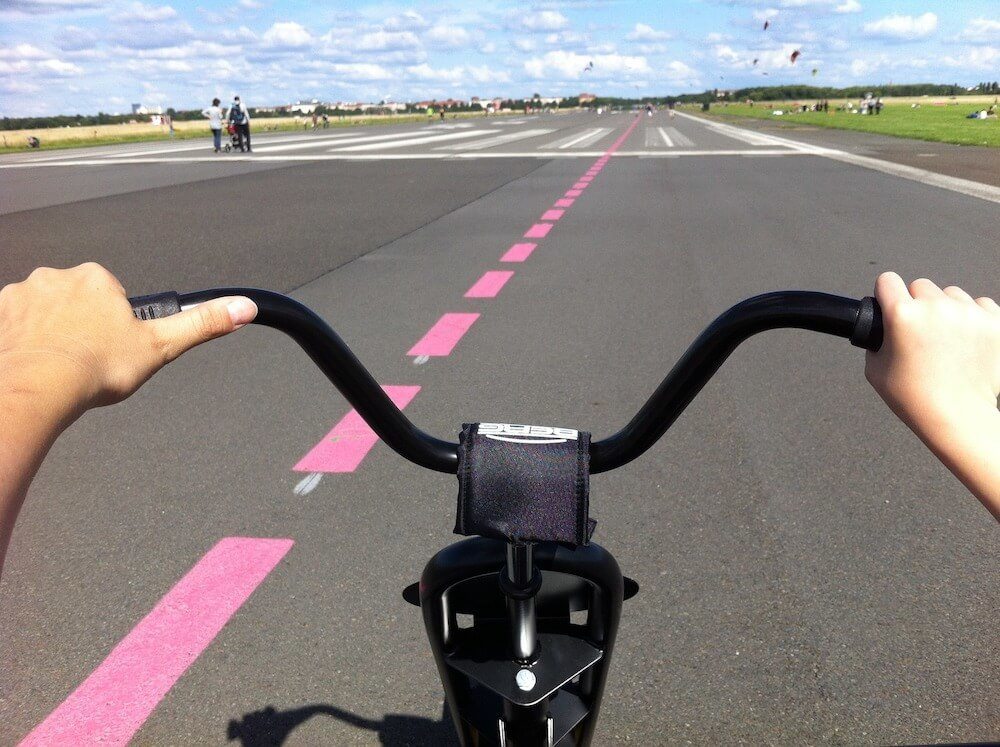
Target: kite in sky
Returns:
[756, 60]
[815, 70]
[795, 56]
[590, 66]
[766, 25]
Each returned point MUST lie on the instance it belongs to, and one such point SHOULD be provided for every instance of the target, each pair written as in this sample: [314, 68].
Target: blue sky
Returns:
[68, 56]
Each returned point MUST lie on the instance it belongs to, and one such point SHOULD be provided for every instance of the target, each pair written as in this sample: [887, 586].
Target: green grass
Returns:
[944, 124]
[257, 126]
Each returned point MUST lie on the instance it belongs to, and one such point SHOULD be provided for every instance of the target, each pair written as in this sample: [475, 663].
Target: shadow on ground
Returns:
[270, 727]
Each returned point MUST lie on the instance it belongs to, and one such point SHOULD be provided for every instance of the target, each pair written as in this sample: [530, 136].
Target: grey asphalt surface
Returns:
[808, 573]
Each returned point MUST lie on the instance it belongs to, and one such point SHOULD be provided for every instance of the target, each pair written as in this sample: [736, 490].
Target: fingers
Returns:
[989, 304]
[958, 294]
[924, 289]
[179, 333]
[890, 289]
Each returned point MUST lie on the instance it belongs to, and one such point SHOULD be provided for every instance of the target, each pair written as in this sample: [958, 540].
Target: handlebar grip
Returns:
[156, 306]
[868, 326]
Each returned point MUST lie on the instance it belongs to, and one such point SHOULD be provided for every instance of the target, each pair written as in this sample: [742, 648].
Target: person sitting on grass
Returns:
[69, 343]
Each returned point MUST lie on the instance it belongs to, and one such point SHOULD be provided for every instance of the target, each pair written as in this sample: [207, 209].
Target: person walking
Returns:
[239, 116]
[214, 114]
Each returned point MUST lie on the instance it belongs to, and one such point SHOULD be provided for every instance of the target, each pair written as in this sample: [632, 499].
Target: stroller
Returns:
[234, 138]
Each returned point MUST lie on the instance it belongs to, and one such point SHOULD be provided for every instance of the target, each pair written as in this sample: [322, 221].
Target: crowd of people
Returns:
[236, 120]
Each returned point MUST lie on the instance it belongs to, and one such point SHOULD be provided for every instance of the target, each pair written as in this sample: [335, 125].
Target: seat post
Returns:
[520, 588]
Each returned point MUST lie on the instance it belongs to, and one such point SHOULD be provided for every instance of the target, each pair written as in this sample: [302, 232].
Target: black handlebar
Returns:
[858, 321]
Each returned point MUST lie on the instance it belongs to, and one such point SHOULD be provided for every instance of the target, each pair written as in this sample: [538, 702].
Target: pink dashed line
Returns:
[586, 178]
[444, 335]
[111, 705]
[518, 252]
[348, 443]
[538, 231]
[564, 202]
[574, 192]
[581, 185]
[552, 215]
[489, 284]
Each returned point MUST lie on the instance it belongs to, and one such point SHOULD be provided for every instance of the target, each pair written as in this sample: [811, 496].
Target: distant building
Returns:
[548, 100]
[143, 109]
[587, 98]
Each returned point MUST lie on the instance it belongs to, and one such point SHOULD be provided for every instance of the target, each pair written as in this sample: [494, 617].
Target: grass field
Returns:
[13, 141]
[941, 123]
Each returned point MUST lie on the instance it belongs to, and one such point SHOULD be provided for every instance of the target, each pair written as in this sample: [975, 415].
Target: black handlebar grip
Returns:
[868, 326]
[156, 306]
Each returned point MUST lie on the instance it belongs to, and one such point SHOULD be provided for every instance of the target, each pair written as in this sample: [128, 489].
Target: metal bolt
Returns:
[525, 679]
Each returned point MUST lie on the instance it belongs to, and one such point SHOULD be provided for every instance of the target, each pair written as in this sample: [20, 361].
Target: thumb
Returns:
[179, 333]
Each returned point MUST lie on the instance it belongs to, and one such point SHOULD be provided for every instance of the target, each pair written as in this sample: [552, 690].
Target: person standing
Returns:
[239, 116]
[214, 114]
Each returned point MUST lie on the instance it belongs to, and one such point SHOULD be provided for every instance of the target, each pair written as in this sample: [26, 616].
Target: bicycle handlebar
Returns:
[858, 321]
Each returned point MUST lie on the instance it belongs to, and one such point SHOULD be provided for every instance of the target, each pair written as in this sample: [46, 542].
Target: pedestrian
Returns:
[326, 122]
[239, 116]
[214, 114]
[878, 105]
[315, 118]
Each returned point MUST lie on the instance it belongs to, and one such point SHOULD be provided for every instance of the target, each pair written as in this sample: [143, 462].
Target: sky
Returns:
[85, 56]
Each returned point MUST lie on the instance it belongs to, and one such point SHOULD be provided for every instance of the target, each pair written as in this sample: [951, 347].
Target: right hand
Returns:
[940, 361]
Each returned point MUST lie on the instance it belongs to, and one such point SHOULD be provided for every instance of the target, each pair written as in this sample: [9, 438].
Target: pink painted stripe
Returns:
[586, 178]
[581, 185]
[564, 202]
[114, 701]
[348, 443]
[552, 215]
[518, 252]
[538, 231]
[444, 335]
[489, 284]
[574, 192]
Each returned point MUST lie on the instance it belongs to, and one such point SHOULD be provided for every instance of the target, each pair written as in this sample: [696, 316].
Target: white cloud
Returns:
[903, 27]
[251, 4]
[287, 35]
[444, 35]
[541, 20]
[767, 14]
[362, 71]
[141, 13]
[22, 52]
[378, 41]
[569, 65]
[74, 39]
[678, 71]
[848, 6]
[409, 20]
[981, 29]
[644, 32]
[975, 58]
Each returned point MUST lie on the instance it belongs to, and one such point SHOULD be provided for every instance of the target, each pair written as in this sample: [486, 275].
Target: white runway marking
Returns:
[308, 483]
[456, 126]
[421, 360]
[581, 141]
[678, 137]
[666, 137]
[343, 137]
[953, 183]
[339, 156]
[491, 142]
[408, 141]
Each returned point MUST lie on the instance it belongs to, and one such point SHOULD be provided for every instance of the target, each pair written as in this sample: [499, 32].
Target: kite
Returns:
[590, 66]
[795, 56]
[815, 70]
[766, 25]
[756, 60]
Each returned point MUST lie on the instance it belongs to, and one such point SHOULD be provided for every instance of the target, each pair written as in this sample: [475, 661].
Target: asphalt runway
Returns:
[808, 573]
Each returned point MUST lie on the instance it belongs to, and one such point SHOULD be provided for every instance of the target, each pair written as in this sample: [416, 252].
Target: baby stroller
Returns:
[234, 139]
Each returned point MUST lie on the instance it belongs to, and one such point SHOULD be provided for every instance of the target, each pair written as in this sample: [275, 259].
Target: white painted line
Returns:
[491, 142]
[421, 360]
[308, 483]
[407, 141]
[456, 126]
[587, 138]
[962, 186]
[678, 137]
[666, 137]
[343, 137]
[222, 160]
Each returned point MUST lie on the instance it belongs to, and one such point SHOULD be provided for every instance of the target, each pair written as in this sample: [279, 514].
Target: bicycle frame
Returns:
[525, 672]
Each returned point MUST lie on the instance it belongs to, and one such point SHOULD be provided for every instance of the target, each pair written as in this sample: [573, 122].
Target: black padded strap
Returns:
[524, 483]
